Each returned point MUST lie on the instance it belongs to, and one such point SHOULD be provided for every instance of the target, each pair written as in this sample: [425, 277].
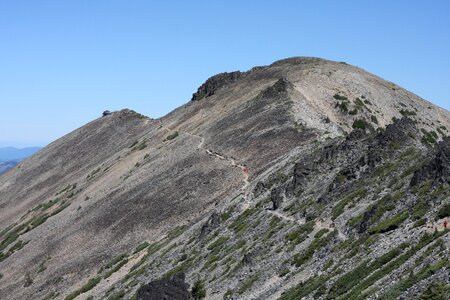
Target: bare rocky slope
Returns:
[304, 178]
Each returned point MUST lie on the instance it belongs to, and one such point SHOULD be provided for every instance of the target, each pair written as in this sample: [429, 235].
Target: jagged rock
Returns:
[397, 132]
[173, 288]
[212, 223]
[276, 196]
[438, 168]
[301, 171]
[279, 87]
[260, 189]
[106, 113]
[356, 134]
[214, 83]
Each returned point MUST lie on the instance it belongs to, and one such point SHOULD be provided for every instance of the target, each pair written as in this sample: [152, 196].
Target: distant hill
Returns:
[10, 156]
[5, 166]
[12, 153]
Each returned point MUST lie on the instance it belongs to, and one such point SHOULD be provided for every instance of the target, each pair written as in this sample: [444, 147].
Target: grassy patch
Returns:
[301, 258]
[409, 281]
[389, 224]
[338, 209]
[304, 288]
[141, 247]
[299, 234]
[241, 223]
[347, 281]
[444, 211]
[248, 284]
[88, 286]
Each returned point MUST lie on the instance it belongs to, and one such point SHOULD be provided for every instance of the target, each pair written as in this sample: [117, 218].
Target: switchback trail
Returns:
[231, 161]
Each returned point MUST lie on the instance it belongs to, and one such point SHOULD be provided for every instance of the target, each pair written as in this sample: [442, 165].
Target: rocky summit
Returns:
[306, 178]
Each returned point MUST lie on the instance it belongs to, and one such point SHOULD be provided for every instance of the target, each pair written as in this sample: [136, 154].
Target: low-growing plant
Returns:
[360, 123]
[339, 97]
[248, 284]
[389, 224]
[198, 289]
[172, 136]
[88, 286]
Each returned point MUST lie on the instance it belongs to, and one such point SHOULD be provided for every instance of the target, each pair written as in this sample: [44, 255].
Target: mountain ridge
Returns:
[265, 173]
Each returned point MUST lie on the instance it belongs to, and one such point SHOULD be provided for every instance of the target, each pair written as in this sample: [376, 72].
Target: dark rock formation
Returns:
[214, 83]
[298, 182]
[174, 288]
[212, 223]
[278, 88]
[438, 168]
[260, 189]
[276, 196]
[106, 113]
[398, 132]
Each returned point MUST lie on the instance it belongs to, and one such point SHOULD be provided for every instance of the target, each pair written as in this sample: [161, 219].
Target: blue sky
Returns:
[63, 62]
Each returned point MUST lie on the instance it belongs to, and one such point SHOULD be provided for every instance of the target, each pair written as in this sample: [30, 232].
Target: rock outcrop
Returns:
[438, 168]
[173, 288]
[214, 83]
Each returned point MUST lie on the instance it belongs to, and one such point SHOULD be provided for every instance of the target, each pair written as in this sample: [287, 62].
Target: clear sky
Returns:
[63, 62]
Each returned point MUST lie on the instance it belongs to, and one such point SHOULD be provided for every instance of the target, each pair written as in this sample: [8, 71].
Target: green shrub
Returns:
[339, 97]
[427, 138]
[359, 123]
[134, 144]
[320, 233]
[342, 106]
[198, 290]
[88, 286]
[116, 268]
[284, 272]
[389, 224]
[141, 247]
[115, 260]
[419, 210]
[444, 211]
[406, 112]
[172, 136]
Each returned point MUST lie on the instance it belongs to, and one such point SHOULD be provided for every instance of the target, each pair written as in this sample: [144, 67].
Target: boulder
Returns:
[173, 288]
[211, 224]
[277, 196]
[260, 189]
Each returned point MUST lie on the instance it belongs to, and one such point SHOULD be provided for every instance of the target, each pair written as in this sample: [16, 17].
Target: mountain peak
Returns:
[283, 181]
